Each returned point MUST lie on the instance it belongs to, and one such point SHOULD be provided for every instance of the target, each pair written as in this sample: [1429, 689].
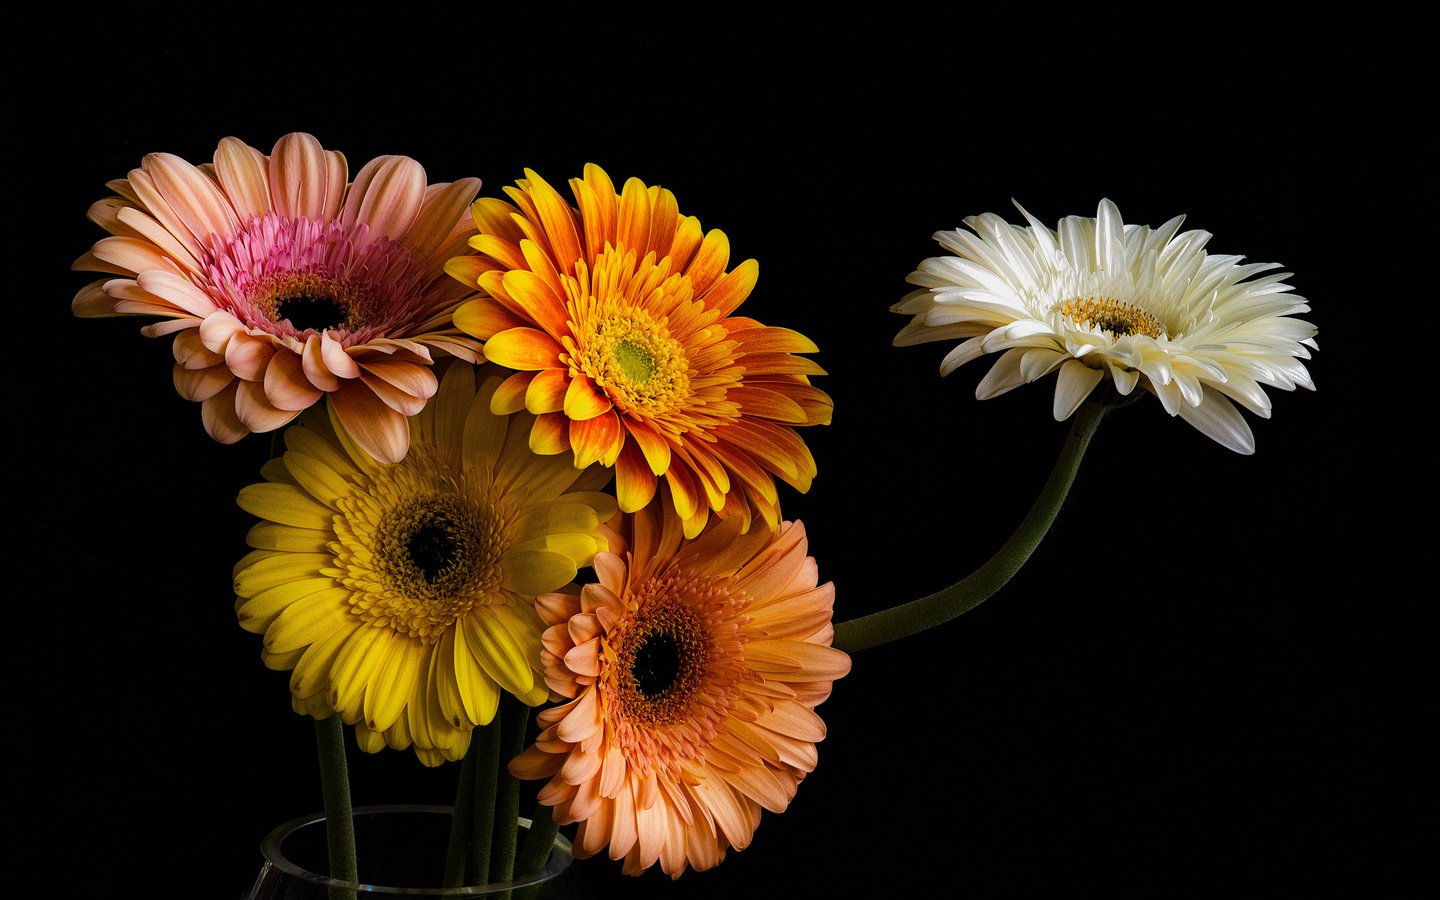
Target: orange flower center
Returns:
[1108, 314]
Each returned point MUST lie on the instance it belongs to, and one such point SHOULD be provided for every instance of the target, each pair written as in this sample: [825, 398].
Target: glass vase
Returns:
[400, 851]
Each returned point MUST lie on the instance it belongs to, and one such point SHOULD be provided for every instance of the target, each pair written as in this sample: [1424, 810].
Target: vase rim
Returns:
[561, 855]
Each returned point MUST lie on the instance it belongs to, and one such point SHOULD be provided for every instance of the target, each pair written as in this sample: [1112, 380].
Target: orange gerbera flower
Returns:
[695, 668]
[282, 283]
[617, 318]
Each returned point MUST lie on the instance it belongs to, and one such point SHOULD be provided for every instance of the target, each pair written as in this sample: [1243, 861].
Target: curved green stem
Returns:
[968, 593]
[335, 789]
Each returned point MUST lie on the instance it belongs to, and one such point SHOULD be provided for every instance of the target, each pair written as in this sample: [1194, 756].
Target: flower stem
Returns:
[539, 841]
[514, 716]
[968, 593]
[335, 789]
[463, 820]
[483, 807]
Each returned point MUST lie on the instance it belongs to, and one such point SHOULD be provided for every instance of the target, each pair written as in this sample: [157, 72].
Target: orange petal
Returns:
[583, 400]
[597, 440]
[731, 290]
[548, 436]
[634, 482]
[524, 349]
[546, 393]
[509, 397]
[484, 318]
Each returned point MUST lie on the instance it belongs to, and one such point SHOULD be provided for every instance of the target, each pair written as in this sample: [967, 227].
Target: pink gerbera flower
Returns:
[284, 283]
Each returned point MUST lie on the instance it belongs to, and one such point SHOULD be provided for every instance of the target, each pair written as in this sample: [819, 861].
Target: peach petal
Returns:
[256, 412]
[195, 199]
[313, 362]
[247, 356]
[386, 197]
[299, 176]
[130, 255]
[403, 403]
[407, 377]
[91, 301]
[583, 719]
[375, 427]
[156, 233]
[242, 173]
[217, 331]
[337, 361]
[286, 384]
[218, 415]
[156, 205]
[442, 207]
[177, 290]
[199, 385]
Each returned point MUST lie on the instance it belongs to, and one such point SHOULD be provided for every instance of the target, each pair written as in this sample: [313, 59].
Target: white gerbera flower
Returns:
[1098, 299]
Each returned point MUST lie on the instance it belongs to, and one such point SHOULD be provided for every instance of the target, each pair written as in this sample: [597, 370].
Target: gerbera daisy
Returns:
[402, 596]
[617, 318]
[695, 668]
[283, 283]
[1098, 300]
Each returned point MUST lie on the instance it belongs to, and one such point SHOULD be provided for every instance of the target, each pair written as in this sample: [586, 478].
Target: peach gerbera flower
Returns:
[695, 668]
[283, 283]
[617, 318]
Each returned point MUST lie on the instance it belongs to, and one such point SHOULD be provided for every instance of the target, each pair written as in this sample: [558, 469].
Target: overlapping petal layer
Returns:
[282, 283]
[1097, 300]
[402, 596]
[694, 668]
[617, 316]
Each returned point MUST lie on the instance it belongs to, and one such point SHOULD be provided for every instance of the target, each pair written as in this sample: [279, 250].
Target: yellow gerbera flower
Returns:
[617, 318]
[402, 596]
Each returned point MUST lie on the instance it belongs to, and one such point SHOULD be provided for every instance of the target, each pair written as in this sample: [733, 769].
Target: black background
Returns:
[1214, 674]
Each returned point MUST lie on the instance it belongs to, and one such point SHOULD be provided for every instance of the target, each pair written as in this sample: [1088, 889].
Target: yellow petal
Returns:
[532, 572]
[285, 504]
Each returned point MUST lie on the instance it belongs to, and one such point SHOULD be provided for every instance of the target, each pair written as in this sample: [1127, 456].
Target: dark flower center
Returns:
[432, 547]
[306, 312]
[657, 664]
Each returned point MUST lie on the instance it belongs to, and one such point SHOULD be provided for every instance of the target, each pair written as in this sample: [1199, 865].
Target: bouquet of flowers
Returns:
[526, 454]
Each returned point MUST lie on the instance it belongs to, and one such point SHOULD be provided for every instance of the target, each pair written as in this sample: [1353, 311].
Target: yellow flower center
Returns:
[1108, 314]
[637, 363]
[434, 556]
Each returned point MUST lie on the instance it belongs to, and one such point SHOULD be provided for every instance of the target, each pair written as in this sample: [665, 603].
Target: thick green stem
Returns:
[539, 841]
[968, 593]
[514, 715]
[335, 789]
[462, 822]
[477, 869]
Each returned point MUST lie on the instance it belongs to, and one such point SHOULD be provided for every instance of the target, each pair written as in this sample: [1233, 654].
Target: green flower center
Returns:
[632, 360]
[635, 361]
